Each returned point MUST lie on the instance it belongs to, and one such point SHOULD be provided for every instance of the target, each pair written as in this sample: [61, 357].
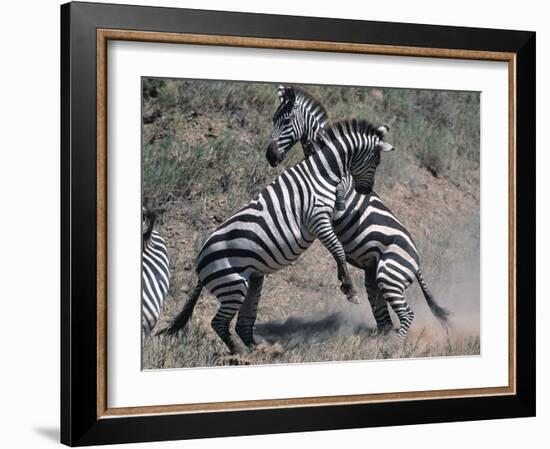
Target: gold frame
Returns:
[104, 35]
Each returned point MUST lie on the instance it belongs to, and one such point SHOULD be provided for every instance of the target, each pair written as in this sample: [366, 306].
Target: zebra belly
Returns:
[240, 258]
[367, 230]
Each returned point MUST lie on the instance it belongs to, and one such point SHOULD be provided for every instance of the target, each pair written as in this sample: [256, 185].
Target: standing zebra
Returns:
[373, 238]
[274, 229]
[155, 273]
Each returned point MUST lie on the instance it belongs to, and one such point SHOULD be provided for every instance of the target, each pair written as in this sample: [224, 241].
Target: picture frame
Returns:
[86, 29]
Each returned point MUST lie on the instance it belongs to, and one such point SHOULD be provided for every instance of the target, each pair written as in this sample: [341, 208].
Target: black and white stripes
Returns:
[298, 114]
[372, 237]
[276, 227]
[155, 273]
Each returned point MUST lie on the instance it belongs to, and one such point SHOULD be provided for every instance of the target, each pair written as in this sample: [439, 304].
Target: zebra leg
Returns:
[392, 282]
[340, 204]
[247, 313]
[378, 303]
[399, 305]
[307, 147]
[229, 306]
[325, 233]
[150, 310]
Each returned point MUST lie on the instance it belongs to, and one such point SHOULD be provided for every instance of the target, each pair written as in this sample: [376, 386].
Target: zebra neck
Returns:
[311, 131]
[313, 119]
[316, 140]
[330, 164]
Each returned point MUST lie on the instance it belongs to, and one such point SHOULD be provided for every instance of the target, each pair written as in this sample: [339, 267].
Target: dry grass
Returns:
[204, 160]
[332, 335]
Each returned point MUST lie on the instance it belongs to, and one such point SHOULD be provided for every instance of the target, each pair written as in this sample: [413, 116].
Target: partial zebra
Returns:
[274, 229]
[373, 238]
[155, 273]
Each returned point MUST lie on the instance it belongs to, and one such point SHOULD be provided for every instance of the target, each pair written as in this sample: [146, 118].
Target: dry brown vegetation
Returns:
[203, 156]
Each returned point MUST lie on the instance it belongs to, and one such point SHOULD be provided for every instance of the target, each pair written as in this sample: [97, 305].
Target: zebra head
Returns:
[299, 117]
[148, 218]
[354, 146]
[366, 157]
[285, 133]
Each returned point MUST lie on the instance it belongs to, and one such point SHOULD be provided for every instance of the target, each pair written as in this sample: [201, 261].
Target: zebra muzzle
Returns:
[363, 189]
[273, 155]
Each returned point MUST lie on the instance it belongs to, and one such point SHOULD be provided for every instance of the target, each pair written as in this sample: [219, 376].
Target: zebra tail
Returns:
[440, 313]
[182, 318]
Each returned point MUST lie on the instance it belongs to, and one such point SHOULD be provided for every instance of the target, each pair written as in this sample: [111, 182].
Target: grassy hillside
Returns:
[204, 157]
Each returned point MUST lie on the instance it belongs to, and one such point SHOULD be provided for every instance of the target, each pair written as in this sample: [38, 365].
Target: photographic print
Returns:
[297, 196]
[291, 223]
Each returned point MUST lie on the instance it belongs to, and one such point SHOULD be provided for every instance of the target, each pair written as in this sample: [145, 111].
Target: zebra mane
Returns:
[338, 141]
[335, 130]
[314, 103]
[284, 108]
[288, 97]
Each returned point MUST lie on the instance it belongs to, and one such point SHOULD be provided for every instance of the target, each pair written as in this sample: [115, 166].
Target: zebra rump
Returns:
[155, 273]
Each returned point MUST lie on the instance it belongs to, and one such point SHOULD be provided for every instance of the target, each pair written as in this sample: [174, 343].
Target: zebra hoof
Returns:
[234, 347]
[231, 360]
[382, 331]
[250, 348]
[400, 339]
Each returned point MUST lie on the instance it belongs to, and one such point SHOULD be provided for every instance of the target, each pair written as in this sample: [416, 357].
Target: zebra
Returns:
[275, 228]
[155, 272]
[373, 238]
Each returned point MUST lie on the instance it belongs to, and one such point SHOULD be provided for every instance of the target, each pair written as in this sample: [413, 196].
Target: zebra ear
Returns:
[281, 93]
[382, 131]
[286, 94]
[384, 147]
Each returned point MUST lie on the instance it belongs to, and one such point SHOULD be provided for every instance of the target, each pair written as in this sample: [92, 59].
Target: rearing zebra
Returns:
[155, 273]
[274, 229]
[373, 238]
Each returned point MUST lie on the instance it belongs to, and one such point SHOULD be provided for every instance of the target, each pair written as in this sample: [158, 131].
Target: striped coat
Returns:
[373, 238]
[275, 228]
[155, 273]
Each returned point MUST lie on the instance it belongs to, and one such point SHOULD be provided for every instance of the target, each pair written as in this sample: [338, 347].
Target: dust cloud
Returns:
[324, 318]
[458, 290]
